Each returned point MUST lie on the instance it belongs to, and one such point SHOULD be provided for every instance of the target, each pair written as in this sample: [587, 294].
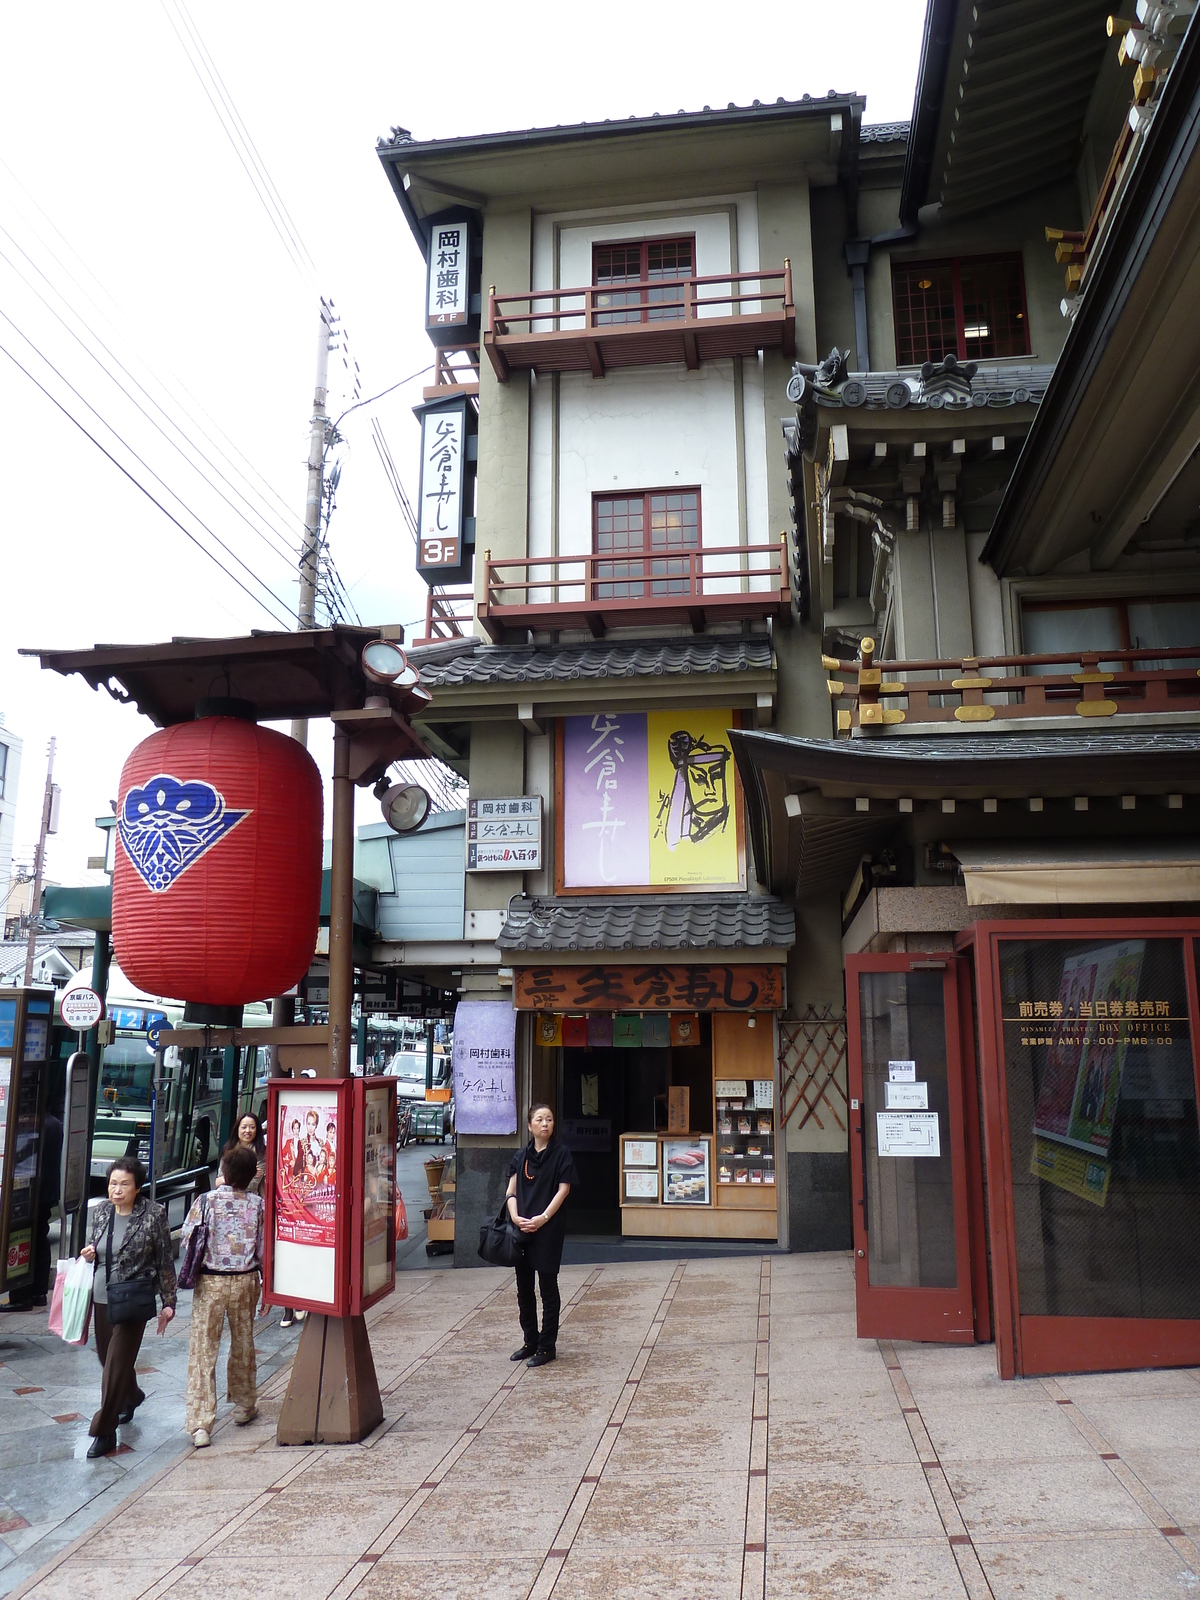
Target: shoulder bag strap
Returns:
[112, 1223]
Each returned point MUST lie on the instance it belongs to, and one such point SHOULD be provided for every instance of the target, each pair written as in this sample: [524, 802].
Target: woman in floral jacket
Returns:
[132, 1229]
[228, 1286]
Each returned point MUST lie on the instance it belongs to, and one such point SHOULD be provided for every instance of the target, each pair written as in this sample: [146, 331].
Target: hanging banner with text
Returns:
[485, 1076]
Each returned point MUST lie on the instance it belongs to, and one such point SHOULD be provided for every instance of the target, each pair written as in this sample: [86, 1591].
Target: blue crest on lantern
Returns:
[169, 823]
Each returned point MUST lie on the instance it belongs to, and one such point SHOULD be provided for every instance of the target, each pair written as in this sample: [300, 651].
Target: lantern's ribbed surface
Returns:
[232, 915]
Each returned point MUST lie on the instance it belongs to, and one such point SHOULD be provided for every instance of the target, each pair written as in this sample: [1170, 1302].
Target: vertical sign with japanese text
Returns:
[448, 301]
[440, 501]
[485, 1077]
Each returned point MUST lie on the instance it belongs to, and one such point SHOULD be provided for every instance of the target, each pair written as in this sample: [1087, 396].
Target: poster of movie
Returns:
[306, 1171]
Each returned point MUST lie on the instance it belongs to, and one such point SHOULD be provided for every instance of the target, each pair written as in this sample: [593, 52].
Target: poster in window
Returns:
[650, 799]
[686, 1172]
[306, 1171]
[485, 1079]
[379, 1185]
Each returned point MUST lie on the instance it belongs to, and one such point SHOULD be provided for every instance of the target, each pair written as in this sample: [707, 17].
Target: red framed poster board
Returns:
[372, 1229]
[308, 1223]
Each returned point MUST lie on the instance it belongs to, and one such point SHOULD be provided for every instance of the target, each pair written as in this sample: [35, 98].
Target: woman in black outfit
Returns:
[539, 1181]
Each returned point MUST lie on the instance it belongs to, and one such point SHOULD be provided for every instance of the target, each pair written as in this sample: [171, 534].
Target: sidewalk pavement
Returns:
[712, 1429]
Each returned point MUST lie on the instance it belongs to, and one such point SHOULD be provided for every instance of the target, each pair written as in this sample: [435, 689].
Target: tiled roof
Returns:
[646, 658]
[884, 132]
[674, 922]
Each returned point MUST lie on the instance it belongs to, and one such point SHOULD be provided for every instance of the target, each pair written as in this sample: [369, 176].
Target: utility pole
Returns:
[49, 825]
[306, 614]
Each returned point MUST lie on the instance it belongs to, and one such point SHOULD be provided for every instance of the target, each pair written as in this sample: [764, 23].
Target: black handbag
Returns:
[501, 1242]
[132, 1300]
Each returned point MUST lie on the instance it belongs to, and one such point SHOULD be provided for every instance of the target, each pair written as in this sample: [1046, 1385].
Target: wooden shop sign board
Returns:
[648, 988]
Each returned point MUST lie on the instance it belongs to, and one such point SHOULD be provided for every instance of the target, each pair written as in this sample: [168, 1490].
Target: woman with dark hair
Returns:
[229, 1285]
[539, 1181]
[248, 1135]
[129, 1240]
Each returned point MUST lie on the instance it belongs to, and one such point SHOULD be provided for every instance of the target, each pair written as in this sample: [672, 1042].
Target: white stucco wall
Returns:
[657, 427]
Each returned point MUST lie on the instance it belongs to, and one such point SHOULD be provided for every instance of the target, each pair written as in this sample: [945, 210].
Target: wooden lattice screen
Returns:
[812, 1067]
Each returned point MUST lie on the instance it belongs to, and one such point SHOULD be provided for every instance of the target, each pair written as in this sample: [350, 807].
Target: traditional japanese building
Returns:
[829, 501]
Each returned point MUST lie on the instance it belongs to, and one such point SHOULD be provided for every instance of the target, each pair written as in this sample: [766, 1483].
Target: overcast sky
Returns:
[124, 207]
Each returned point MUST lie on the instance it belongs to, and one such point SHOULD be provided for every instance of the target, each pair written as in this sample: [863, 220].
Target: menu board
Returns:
[687, 1177]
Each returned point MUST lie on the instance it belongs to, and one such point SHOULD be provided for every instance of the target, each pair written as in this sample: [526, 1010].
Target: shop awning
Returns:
[1133, 873]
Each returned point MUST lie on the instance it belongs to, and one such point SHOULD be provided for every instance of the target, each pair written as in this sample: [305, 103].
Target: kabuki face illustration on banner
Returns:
[306, 1151]
[649, 799]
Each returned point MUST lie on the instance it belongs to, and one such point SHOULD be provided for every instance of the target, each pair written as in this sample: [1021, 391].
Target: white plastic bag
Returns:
[77, 1301]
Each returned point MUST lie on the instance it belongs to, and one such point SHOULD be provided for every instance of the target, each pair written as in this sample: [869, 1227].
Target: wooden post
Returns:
[333, 1394]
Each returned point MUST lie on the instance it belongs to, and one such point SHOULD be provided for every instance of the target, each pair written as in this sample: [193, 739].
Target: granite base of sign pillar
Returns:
[333, 1393]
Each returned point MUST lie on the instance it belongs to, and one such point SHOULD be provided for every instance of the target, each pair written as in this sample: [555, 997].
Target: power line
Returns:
[285, 551]
[137, 485]
[249, 166]
[283, 504]
[142, 463]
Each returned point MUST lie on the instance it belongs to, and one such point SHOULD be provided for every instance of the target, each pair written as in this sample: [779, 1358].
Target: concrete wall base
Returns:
[819, 1200]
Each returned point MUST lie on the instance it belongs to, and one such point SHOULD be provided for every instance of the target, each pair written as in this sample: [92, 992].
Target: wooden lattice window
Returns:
[632, 275]
[812, 1069]
[648, 534]
[972, 307]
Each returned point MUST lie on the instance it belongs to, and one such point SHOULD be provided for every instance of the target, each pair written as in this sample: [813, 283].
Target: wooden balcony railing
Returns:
[449, 614]
[998, 689]
[455, 372]
[630, 589]
[599, 327]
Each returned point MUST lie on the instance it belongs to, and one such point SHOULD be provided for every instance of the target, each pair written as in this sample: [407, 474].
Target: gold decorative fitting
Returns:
[1091, 677]
[974, 713]
[868, 676]
[893, 688]
[870, 716]
[843, 722]
[832, 664]
[867, 646]
[892, 714]
[835, 687]
[973, 683]
[1096, 708]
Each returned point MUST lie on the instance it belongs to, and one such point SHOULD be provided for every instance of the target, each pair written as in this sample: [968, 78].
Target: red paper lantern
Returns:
[217, 886]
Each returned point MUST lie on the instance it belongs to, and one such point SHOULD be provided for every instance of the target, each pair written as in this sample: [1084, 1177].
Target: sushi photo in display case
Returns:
[687, 1172]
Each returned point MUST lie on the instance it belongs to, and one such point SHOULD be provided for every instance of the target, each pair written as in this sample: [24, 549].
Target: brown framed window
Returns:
[645, 537]
[1147, 623]
[631, 275]
[972, 307]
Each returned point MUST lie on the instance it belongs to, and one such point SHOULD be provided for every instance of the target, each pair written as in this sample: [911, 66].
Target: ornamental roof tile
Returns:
[643, 658]
[672, 922]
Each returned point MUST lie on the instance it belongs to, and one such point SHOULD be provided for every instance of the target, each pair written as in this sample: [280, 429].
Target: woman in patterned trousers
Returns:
[229, 1286]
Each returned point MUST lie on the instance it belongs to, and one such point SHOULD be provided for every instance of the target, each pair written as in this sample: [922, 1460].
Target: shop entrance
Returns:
[908, 1149]
[1090, 1096]
[605, 1093]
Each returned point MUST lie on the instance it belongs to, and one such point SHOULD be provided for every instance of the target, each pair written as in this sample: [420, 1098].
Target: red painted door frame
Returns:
[944, 1316]
[1029, 1345]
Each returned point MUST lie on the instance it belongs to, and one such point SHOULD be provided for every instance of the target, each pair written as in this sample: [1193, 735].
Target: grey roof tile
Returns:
[642, 658]
[673, 922]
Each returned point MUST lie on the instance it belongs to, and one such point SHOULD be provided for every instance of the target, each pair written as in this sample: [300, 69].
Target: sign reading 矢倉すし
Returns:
[650, 799]
[485, 1077]
[440, 497]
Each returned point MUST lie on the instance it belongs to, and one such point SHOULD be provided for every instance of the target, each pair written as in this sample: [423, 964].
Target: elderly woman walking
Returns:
[228, 1286]
[131, 1246]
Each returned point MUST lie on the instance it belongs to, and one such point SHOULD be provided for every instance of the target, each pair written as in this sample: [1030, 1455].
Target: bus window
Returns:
[126, 1074]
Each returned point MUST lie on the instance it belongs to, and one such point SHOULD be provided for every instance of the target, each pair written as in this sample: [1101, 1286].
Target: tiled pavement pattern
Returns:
[712, 1430]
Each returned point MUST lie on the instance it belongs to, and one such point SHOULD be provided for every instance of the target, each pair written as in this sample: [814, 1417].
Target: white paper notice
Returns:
[907, 1096]
[908, 1133]
[902, 1071]
[764, 1094]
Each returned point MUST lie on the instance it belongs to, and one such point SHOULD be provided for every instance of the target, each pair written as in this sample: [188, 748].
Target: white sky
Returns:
[107, 137]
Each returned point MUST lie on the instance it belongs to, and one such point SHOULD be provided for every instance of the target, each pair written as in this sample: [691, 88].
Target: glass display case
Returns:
[745, 1136]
